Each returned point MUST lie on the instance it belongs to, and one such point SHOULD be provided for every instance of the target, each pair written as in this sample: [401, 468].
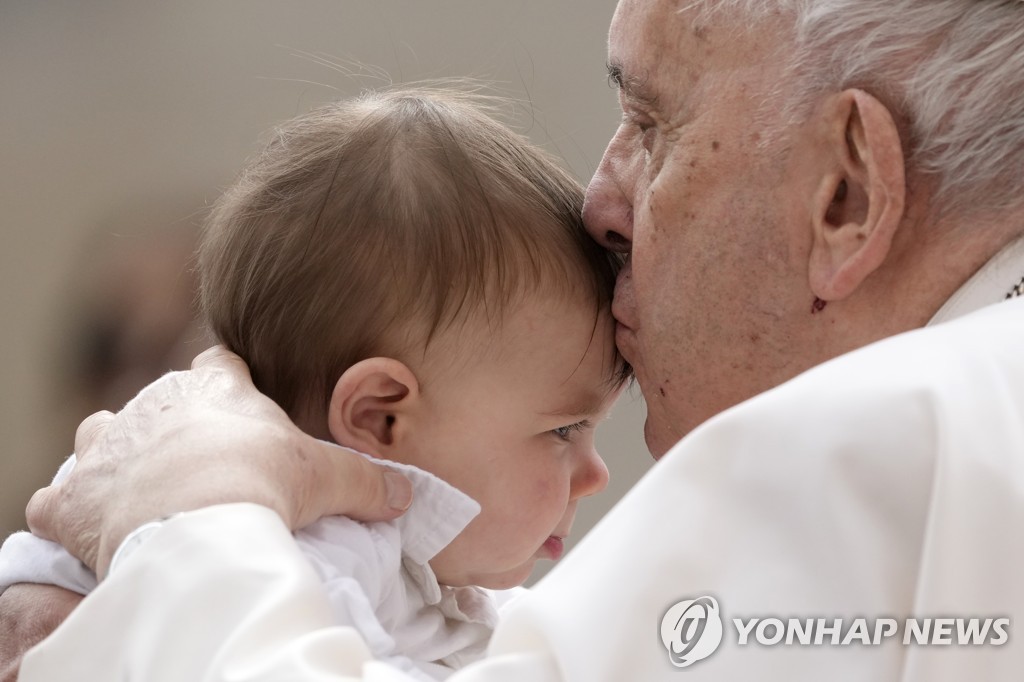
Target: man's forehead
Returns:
[651, 23]
[661, 49]
[646, 37]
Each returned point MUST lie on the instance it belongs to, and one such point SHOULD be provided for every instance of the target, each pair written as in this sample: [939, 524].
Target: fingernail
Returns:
[399, 490]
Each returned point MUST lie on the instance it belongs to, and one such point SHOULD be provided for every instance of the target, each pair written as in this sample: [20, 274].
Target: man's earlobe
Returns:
[368, 402]
[859, 203]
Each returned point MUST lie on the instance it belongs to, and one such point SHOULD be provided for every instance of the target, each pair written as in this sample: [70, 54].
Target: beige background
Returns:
[117, 116]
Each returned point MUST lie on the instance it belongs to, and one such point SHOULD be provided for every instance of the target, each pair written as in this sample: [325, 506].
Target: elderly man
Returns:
[793, 181]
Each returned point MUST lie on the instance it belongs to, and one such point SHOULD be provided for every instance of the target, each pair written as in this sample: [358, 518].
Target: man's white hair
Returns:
[951, 71]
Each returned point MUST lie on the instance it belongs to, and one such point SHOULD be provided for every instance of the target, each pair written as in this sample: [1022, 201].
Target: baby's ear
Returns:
[368, 402]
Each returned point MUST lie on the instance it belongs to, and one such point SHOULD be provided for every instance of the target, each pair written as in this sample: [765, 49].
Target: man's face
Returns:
[714, 305]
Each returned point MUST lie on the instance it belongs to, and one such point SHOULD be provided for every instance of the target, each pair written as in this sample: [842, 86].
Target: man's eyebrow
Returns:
[633, 88]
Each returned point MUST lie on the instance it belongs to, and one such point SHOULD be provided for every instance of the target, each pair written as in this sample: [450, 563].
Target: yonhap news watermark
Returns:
[693, 629]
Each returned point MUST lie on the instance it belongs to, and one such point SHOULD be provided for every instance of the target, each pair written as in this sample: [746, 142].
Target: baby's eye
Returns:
[565, 432]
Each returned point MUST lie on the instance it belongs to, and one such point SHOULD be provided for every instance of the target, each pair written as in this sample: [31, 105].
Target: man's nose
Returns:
[590, 476]
[607, 210]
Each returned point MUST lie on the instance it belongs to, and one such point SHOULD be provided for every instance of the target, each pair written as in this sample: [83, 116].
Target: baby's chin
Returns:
[493, 578]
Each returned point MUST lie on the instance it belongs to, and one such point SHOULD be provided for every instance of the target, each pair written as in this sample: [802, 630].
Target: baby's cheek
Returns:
[547, 501]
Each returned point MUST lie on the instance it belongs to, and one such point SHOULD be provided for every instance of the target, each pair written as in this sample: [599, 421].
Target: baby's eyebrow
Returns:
[580, 405]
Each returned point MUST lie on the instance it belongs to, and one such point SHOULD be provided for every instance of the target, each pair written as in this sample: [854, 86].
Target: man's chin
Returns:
[658, 442]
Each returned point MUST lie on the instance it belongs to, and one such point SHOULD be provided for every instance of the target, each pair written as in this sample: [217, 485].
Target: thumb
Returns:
[48, 517]
[344, 482]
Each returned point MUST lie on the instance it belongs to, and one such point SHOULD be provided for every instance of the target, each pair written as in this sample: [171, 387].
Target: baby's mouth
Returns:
[553, 547]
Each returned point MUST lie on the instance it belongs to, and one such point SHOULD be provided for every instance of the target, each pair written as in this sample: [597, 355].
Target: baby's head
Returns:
[411, 279]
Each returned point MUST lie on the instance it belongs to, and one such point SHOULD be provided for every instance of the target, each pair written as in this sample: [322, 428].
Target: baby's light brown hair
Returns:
[369, 225]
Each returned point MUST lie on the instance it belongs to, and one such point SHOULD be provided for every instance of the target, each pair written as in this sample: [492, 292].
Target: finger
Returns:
[343, 482]
[45, 521]
[39, 512]
[91, 428]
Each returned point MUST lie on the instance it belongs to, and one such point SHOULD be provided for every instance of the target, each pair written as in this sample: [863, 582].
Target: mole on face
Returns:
[715, 145]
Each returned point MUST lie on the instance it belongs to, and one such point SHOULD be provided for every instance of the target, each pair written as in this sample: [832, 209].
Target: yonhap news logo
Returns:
[693, 629]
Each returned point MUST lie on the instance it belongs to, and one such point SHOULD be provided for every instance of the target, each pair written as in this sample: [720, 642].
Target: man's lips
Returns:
[623, 300]
[621, 318]
[623, 310]
[625, 340]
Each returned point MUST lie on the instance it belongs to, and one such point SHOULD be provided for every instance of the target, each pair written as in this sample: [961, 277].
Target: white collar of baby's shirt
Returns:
[438, 513]
[470, 603]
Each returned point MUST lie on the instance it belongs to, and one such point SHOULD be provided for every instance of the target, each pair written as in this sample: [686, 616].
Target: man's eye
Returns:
[565, 432]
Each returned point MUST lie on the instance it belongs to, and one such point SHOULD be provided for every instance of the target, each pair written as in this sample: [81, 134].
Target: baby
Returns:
[410, 279]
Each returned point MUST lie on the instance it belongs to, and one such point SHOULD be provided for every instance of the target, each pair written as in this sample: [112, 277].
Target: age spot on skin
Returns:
[715, 145]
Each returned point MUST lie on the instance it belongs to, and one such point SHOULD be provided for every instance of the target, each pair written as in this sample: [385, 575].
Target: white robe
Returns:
[887, 483]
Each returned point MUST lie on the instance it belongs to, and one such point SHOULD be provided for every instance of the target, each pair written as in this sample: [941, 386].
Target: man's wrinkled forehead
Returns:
[661, 50]
[648, 39]
[648, 26]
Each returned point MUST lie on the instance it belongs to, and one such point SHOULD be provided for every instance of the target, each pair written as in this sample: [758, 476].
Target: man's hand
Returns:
[200, 438]
[28, 614]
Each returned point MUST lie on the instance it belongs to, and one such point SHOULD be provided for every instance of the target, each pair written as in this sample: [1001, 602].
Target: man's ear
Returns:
[371, 404]
[859, 202]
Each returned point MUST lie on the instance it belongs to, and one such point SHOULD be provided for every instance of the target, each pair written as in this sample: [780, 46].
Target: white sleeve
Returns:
[874, 486]
[24, 558]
